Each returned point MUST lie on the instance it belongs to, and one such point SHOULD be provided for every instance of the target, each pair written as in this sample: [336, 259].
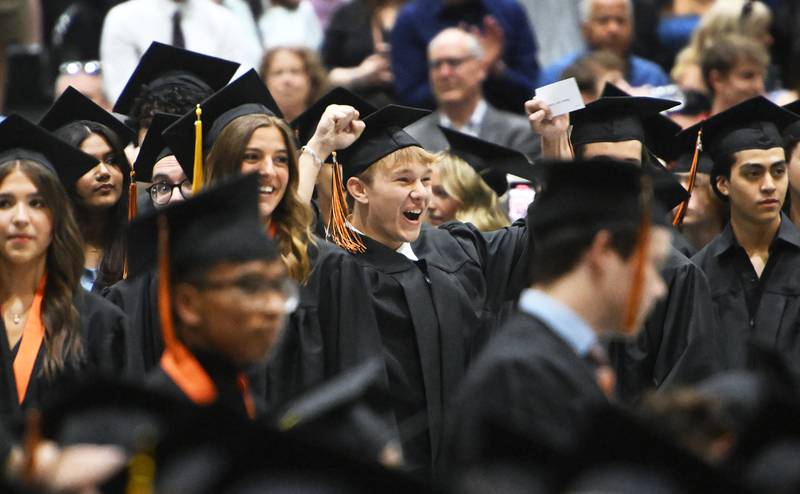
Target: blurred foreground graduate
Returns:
[752, 265]
[221, 302]
[680, 341]
[52, 328]
[595, 273]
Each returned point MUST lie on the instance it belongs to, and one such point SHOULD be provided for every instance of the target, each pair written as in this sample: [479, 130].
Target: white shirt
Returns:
[208, 28]
[473, 125]
[280, 26]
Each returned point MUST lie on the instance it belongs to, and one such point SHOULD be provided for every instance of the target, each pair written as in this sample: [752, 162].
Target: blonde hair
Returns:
[401, 157]
[292, 218]
[479, 203]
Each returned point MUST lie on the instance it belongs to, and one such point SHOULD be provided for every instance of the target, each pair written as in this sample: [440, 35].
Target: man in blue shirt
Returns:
[505, 33]
[608, 25]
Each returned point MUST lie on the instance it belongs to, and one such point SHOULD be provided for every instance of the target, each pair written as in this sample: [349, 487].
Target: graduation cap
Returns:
[791, 134]
[615, 118]
[247, 95]
[305, 124]
[683, 164]
[164, 64]
[154, 148]
[490, 161]
[72, 106]
[22, 139]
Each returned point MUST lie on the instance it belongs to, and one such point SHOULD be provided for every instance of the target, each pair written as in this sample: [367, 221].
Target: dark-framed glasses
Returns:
[252, 285]
[73, 67]
[161, 192]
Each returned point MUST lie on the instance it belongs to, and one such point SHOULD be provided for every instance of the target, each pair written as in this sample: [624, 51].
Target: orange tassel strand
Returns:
[640, 262]
[338, 230]
[677, 220]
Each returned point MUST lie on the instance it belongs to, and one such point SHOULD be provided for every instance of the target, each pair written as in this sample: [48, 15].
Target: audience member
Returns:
[86, 77]
[12, 30]
[509, 48]
[593, 70]
[295, 77]
[457, 75]
[734, 69]
[608, 25]
[356, 48]
[326, 9]
[290, 23]
[676, 23]
[556, 26]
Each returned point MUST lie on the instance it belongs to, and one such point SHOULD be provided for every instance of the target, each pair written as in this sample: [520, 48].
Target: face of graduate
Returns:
[100, 187]
[288, 81]
[394, 203]
[700, 208]
[609, 26]
[456, 73]
[266, 154]
[237, 312]
[167, 172]
[26, 222]
[744, 81]
[629, 151]
[757, 185]
[442, 206]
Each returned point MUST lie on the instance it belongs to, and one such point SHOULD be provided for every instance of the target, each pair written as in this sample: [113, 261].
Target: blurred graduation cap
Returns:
[615, 117]
[791, 134]
[490, 161]
[154, 148]
[72, 106]
[305, 124]
[247, 95]
[164, 64]
[22, 139]
[683, 164]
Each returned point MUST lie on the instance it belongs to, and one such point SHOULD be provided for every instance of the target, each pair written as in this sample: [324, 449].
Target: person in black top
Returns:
[751, 265]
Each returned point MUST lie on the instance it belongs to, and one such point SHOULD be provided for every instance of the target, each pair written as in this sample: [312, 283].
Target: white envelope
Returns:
[562, 96]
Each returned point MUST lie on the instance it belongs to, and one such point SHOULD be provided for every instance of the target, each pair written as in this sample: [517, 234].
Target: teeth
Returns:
[266, 189]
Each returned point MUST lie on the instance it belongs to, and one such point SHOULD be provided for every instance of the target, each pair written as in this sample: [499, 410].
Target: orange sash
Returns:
[31, 342]
[184, 369]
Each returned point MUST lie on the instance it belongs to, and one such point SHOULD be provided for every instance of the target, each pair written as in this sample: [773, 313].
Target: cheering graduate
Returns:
[99, 196]
[52, 329]
[221, 303]
[679, 343]
[751, 265]
[595, 271]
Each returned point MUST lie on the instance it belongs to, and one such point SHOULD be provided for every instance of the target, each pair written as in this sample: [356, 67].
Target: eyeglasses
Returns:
[252, 285]
[452, 62]
[73, 67]
[161, 192]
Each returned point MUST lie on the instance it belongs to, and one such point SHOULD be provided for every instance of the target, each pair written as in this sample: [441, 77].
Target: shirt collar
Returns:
[473, 124]
[560, 318]
[787, 233]
[404, 249]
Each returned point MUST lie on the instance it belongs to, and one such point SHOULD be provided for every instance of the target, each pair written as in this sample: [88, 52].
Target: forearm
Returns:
[309, 168]
[557, 147]
[345, 76]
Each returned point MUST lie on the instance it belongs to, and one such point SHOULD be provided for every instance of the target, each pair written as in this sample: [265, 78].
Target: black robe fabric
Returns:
[426, 319]
[680, 341]
[530, 383]
[103, 332]
[777, 318]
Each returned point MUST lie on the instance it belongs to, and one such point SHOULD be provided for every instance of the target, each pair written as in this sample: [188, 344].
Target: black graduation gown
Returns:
[531, 383]
[776, 319]
[679, 343]
[103, 331]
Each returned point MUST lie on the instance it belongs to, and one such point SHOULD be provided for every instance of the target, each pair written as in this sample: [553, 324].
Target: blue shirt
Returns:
[560, 318]
[420, 20]
[88, 277]
[641, 72]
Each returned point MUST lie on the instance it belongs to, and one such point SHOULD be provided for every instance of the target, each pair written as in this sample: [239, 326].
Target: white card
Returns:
[562, 96]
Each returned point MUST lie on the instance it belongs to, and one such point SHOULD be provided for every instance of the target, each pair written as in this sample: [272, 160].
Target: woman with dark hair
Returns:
[295, 77]
[52, 328]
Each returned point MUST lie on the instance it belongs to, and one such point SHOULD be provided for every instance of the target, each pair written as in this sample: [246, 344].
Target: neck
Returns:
[93, 226]
[22, 280]
[459, 113]
[571, 291]
[360, 222]
[700, 234]
[290, 112]
[754, 237]
[718, 106]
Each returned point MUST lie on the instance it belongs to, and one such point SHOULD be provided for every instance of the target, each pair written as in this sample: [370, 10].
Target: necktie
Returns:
[177, 34]
[603, 372]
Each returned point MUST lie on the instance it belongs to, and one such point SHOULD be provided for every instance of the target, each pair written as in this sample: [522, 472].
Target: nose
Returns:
[175, 196]
[101, 172]
[768, 185]
[420, 191]
[21, 215]
[266, 167]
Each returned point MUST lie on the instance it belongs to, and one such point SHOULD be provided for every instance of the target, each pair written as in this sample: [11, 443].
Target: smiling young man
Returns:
[751, 265]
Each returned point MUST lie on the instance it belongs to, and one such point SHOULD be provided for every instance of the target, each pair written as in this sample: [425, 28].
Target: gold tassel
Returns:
[640, 260]
[197, 179]
[338, 231]
[677, 220]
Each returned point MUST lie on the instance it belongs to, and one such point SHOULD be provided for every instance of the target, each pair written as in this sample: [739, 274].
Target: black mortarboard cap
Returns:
[154, 148]
[305, 124]
[382, 136]
[72, 106]
[247, 95]
[667, 190]
[167, 64]
[661, 137]
[21, 139]
[489, 160]
[753, 124]
[201, 229]
[683, 164]
[791, 134]
[615, 118]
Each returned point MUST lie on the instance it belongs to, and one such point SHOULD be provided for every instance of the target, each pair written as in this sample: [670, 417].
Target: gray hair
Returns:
[473, 43]
[585, 9]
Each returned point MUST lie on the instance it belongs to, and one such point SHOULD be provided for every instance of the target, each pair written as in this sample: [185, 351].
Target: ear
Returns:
[596, 255]
[723, 185]
[187, 303]
[358, 189]
[715, 78]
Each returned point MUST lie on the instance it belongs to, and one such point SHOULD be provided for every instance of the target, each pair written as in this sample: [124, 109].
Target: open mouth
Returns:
[412, 215]
[266, 189]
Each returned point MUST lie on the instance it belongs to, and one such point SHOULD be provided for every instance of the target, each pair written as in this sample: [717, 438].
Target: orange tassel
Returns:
[164, 298]
[640, 261]
[131, 215]
[338, 231]
[677, 220]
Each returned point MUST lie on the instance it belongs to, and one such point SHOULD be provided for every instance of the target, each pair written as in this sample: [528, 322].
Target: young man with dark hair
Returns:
[595, 272]
[733, 69]
[751, 265]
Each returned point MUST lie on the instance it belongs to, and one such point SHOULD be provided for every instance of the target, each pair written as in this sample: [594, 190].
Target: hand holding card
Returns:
[562, 96]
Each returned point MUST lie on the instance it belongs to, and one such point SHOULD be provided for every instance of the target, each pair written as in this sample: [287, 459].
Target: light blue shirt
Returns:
[560, 318]
[88, 277]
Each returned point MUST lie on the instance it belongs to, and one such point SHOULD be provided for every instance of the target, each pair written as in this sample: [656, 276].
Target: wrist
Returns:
[321, 149]
[318, 161]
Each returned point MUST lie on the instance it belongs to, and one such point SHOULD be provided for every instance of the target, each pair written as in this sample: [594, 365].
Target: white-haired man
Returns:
[608, 25]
